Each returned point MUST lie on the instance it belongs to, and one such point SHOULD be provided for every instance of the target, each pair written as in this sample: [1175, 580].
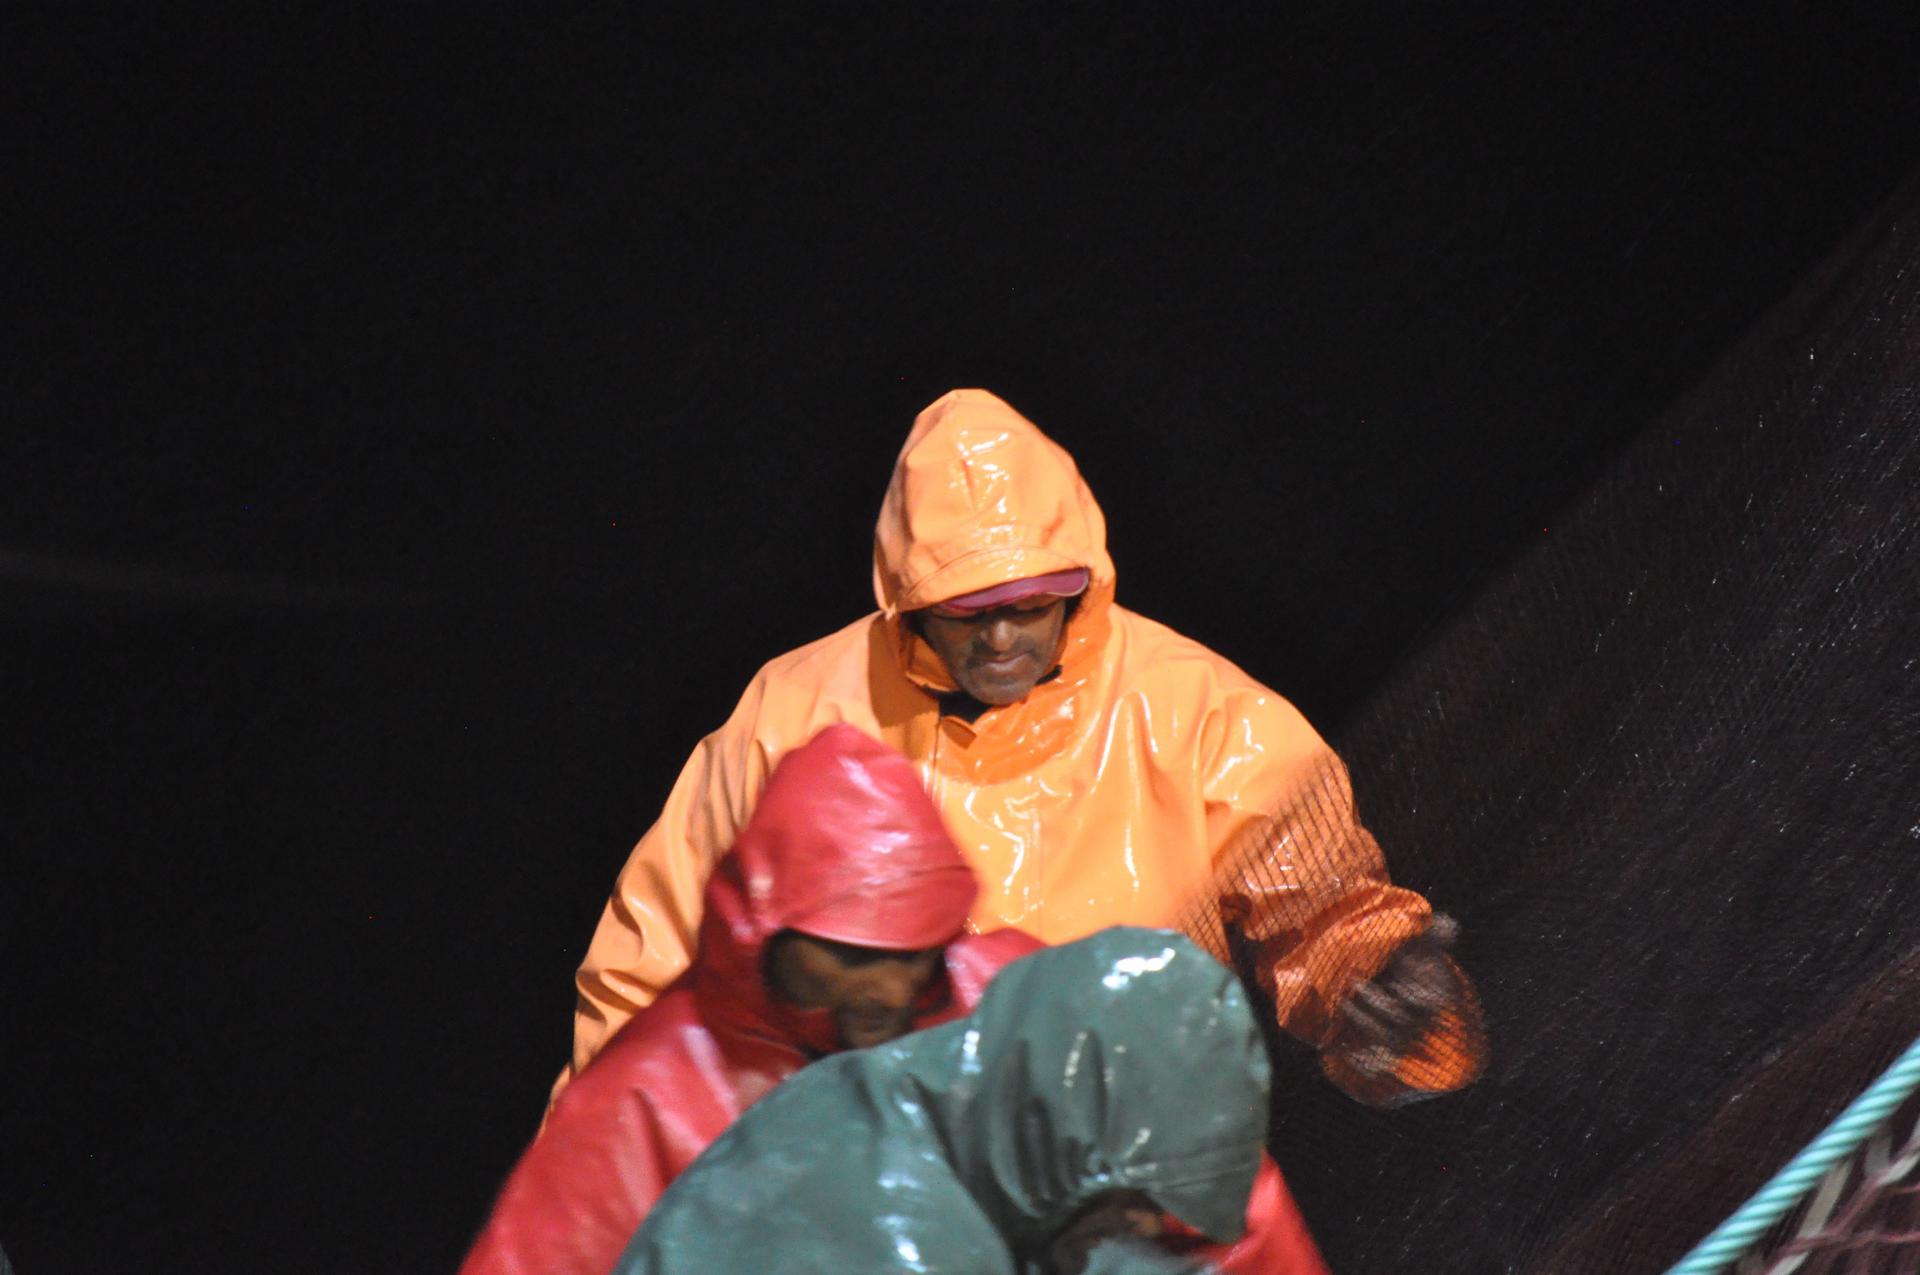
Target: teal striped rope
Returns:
[1849, 1129]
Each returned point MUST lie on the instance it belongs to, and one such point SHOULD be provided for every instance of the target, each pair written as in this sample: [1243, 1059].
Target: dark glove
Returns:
[1382, 1019]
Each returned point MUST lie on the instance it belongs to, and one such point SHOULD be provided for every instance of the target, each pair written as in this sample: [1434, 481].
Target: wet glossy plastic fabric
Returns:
[1128, 1060]
[845, 845]
[1104, 797]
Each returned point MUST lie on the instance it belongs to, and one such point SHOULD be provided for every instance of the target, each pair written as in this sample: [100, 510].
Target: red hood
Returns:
[845, 845]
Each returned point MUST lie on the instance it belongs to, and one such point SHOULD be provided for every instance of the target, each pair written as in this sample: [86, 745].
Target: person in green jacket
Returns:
[1103, 1093]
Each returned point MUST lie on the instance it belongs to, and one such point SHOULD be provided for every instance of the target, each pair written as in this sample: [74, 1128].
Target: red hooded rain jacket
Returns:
[844, 845]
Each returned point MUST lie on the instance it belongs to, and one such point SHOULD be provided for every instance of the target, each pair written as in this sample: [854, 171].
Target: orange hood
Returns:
[979, 497]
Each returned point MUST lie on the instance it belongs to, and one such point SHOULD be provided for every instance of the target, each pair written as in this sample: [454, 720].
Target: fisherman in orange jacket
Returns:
[1093, 764]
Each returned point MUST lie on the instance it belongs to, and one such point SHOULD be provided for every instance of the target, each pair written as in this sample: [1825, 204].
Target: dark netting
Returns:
[1864, 1219]
[1664, 774]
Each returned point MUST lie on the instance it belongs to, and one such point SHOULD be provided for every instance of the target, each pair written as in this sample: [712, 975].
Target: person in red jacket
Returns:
[835, 922]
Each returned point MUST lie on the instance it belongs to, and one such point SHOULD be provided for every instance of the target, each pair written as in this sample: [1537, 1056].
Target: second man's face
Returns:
[870, 991]
[997, 656]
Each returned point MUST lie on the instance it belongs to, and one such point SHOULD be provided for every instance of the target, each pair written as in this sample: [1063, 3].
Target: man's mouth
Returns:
[1005, 665]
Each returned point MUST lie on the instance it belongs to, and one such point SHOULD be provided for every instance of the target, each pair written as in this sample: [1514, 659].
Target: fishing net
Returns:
[1863, 1219]
[1663, 772]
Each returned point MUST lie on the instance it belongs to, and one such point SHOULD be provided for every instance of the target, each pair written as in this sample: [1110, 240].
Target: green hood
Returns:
[1126, 1060]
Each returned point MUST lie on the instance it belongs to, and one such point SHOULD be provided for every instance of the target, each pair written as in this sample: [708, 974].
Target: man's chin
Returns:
[998, 692]
[853, 1037]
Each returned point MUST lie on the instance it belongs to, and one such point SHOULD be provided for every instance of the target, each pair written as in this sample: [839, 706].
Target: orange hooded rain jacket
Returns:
[1102, 798]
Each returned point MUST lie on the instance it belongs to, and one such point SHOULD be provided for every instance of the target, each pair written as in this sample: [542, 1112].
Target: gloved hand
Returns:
[1385, 1018]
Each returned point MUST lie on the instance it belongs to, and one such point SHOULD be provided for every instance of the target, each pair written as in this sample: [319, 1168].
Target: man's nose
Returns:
[895, 988]
[1000, 636]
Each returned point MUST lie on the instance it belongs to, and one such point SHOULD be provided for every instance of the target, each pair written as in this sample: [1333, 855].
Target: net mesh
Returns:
[1863, 1219]
[1664, 774]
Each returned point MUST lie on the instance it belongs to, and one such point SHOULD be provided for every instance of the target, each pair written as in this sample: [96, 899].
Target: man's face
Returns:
[1113, 1214]
[871, 991]
[997, 655]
